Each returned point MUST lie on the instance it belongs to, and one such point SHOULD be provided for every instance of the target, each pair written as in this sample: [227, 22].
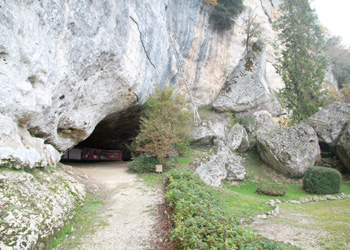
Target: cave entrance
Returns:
[113, 134]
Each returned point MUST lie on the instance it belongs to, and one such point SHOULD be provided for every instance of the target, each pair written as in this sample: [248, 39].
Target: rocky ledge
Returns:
[34, 205]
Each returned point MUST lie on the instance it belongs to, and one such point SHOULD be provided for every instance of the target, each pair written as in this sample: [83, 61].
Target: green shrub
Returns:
[270, 189]
[164, 129]
[322, 180]
[224, 13]
[144, 164]
[246, 121]
[201, 223]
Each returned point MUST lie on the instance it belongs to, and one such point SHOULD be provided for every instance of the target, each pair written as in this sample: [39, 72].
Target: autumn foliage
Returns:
[212, 2]
[165, 123]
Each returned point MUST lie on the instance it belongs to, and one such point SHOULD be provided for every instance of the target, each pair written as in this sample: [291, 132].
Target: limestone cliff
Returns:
[67, 65]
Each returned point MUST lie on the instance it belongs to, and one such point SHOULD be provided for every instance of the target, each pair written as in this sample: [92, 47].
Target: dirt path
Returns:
[128, 208]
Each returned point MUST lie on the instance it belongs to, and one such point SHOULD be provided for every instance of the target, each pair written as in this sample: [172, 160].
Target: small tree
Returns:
[164, 130]
[252, 30]
[303, 63]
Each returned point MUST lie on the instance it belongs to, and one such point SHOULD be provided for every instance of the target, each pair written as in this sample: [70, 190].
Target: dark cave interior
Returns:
[116, 132]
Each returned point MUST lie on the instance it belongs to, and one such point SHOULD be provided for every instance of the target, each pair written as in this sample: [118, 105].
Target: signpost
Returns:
[159, 169]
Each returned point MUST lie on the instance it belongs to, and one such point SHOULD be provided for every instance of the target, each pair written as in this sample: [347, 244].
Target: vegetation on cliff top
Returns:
[225, 12]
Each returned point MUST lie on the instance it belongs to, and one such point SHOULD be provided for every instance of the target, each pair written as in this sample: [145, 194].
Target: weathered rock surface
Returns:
[343, 147]
[34, 205]
[237, 138]
[247, 88]
[64, 67]
[330, 122]
[215, 127]
[202, 135]
[219, 126]
[289, 150]
[19, 149]
[261, 122]
[224, 164]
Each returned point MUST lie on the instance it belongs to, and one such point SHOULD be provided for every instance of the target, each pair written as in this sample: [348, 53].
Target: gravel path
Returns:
[129, 207]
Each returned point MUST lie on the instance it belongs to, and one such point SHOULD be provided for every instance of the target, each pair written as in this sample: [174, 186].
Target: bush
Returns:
[270, 189]
[144, 164]
[322, 180]
[224, 13]
[164, 130]
[201, 223]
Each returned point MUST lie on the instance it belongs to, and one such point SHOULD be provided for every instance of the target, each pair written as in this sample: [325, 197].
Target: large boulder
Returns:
[215, 127]
[261, 121]
[343, 147]
[247, 87]
[224, 164]
[220, 127]
[289, 150]
[330, 122]
[237, 138]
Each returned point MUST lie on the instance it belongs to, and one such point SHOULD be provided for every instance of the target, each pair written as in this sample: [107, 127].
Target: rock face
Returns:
[343, 147]
[247, 87]
[289, 150]
[237, 138]
[224, 164]
[35, 205]
[330, 122]
[219, 126]
[66, 66]
[19, 149]
[261, 122]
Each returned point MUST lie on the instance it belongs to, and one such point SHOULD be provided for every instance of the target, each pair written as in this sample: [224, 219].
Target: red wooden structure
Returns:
[92, 154]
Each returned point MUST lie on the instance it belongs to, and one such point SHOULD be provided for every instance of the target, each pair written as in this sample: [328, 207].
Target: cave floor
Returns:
[128, 210]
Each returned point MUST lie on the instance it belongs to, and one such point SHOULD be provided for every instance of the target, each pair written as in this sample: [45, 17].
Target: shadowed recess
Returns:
[116, 131]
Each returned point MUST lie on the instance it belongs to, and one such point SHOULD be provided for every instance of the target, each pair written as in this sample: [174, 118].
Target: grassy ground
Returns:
[192, 154]
[85, 220]
[242, 200]
[330, 216]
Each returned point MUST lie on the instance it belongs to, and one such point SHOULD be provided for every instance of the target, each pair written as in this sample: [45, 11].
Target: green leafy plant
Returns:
[164, 131]
[224, 13]
[144, 164]
[200, 221]
[322, 180]
[271, 189]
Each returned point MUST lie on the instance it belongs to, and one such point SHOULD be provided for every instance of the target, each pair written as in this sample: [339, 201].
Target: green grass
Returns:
[242, 200]
[193, 153]
[86, 220]
[152, 180]
[327, 216]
